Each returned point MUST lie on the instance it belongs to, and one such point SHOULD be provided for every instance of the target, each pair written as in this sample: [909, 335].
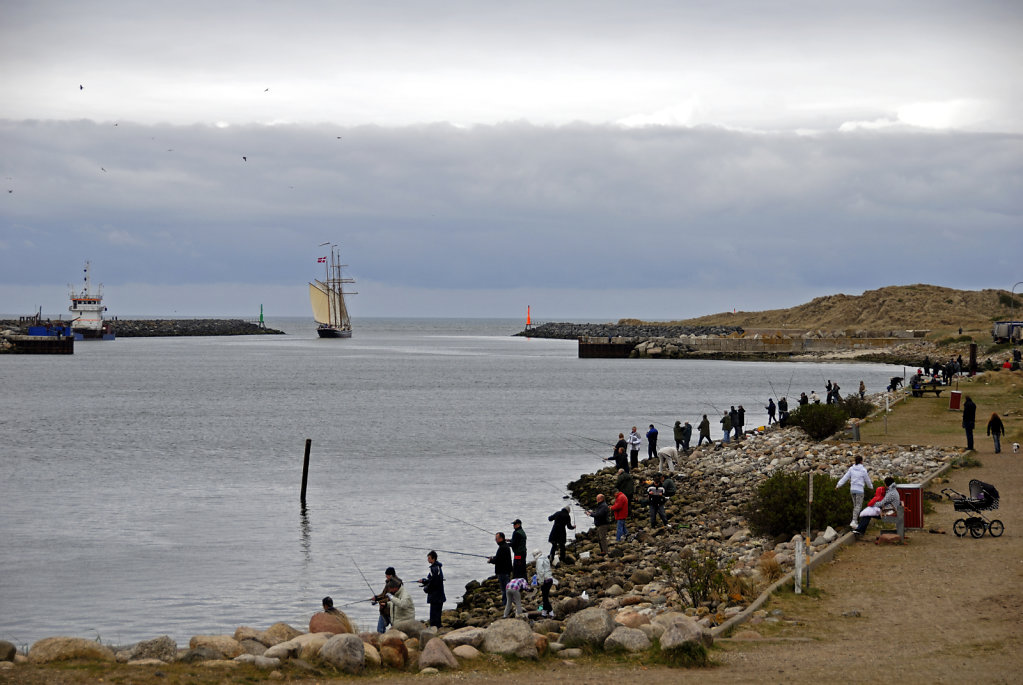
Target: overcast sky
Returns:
[595, 160]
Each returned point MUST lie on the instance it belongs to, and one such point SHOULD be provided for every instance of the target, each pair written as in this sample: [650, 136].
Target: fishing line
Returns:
[455, 518]
[449, 551]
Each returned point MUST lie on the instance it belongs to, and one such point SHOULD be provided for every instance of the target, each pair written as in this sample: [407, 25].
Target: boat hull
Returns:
[331, 332]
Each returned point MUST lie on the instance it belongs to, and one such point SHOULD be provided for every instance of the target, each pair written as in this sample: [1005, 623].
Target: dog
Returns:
[1015, 448]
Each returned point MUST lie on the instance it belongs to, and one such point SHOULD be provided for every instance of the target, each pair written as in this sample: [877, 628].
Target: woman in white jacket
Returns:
[545, 579]
[859, 481]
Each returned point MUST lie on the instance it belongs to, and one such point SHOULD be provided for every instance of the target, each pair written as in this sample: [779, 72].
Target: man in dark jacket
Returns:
[433, 586]
[704, 432]
[518, 548]
[502, 562]
[559, 534]
[687, 436]
[601, 521]
[651, 442]
[969, 419]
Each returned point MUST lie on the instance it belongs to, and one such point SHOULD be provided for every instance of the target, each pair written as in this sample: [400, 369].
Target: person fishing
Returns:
[433, 586]
[651, 443]
[634, 443]
[704, 428]
[384, 619]
[518, 548]
[687, 436]
[502, 561]
[559, 531]
[601, 521]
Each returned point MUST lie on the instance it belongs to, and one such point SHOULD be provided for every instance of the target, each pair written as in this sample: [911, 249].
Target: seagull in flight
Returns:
[244, 158]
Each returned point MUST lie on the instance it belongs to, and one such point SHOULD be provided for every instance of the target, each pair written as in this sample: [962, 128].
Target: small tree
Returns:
[696, 575]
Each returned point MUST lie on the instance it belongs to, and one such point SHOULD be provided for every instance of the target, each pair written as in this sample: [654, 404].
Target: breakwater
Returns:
[572, 331]
[156, 328]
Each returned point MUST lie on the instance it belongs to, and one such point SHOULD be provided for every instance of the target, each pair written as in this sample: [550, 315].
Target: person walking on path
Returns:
[502, 561]
[677, 432]
[433, 586]
[651, 443]
[969, 420]
[704, 432]
[634, 442]
[601, 521]
[518, 548]
[859, 481]
[687, 436]
[559, 531]
[726, 427]
[545, 580]
[996, 429]
[620, 509]
[770, 410]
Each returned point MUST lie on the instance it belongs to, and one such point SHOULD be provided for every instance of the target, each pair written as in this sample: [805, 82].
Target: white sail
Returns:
[320, 302]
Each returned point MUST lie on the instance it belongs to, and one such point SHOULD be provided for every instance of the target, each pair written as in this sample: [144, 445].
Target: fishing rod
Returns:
[561, 490]
[601, 442]
[464, 521]
[363, 575]
[658, 423]
[357, 601]
[590, 451]
[451, 551]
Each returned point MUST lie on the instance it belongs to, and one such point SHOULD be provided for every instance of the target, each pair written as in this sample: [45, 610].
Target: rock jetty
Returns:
[154, 328]
[573, 331]
[630, 601]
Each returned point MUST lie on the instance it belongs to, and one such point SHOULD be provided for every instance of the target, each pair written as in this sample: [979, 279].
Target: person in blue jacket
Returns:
[651, 442]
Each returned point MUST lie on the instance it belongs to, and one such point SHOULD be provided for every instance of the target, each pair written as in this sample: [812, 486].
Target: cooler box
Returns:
[912, 497]
[955, 399]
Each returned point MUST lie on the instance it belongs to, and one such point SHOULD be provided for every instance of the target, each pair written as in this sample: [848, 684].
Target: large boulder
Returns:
[65, 648]
[437, 655]
[410, 627]
[588, 627]
[335, 624]
[310, 644]
[163, 648]
[278, 633]
[393, 651]
[631, 619]
[470, 635]
[570, 605]
[7, 651]
[683, 629]
[262, 662]
[345, 652]
[372, 655]
[626, 639]
[510, 636]
[225, 644]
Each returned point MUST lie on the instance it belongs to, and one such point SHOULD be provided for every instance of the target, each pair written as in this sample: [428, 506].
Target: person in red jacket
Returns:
[620, 508]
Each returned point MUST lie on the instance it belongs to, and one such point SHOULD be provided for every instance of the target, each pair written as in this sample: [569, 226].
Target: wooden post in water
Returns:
[305, 468]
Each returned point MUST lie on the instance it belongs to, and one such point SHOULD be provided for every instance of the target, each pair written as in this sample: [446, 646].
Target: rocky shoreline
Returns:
[573, 331]
[628, 601]
[154, 328]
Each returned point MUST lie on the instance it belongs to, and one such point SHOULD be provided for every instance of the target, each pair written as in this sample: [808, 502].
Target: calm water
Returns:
[151, 485]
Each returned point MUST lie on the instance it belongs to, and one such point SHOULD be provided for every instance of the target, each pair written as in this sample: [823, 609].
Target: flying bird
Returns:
[244, 158]
[266, 90]
[103, 170]
[81, 87]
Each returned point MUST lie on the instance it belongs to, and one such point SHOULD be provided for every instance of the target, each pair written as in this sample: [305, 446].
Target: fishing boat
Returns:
[87, 309]
[327, 298]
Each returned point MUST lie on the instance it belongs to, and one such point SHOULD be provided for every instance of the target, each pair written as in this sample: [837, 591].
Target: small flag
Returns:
[321, 260]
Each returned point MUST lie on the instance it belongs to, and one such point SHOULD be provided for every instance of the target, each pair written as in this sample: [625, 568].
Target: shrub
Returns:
[778, 505]
[697, 575]
[857, 408]
[819, 420]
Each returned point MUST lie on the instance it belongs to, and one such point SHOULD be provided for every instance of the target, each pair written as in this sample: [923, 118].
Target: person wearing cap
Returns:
[518, 548]
[502, 562]
[385, 613]
[545, 579]
[559, 534]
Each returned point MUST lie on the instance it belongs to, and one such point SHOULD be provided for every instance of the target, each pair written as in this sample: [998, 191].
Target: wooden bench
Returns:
[921, 388]
[899, 519]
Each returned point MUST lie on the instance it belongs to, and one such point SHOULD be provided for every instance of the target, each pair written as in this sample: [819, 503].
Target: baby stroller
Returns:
[983, 497]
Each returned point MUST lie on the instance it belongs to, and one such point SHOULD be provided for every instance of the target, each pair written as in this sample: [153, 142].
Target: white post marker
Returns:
[799, 565]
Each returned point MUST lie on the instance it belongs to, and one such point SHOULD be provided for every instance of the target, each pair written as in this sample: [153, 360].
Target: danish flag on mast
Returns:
[321, 260]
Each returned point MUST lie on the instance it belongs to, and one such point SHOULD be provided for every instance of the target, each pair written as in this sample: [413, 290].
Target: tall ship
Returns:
[327, 298]
[87, 312]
